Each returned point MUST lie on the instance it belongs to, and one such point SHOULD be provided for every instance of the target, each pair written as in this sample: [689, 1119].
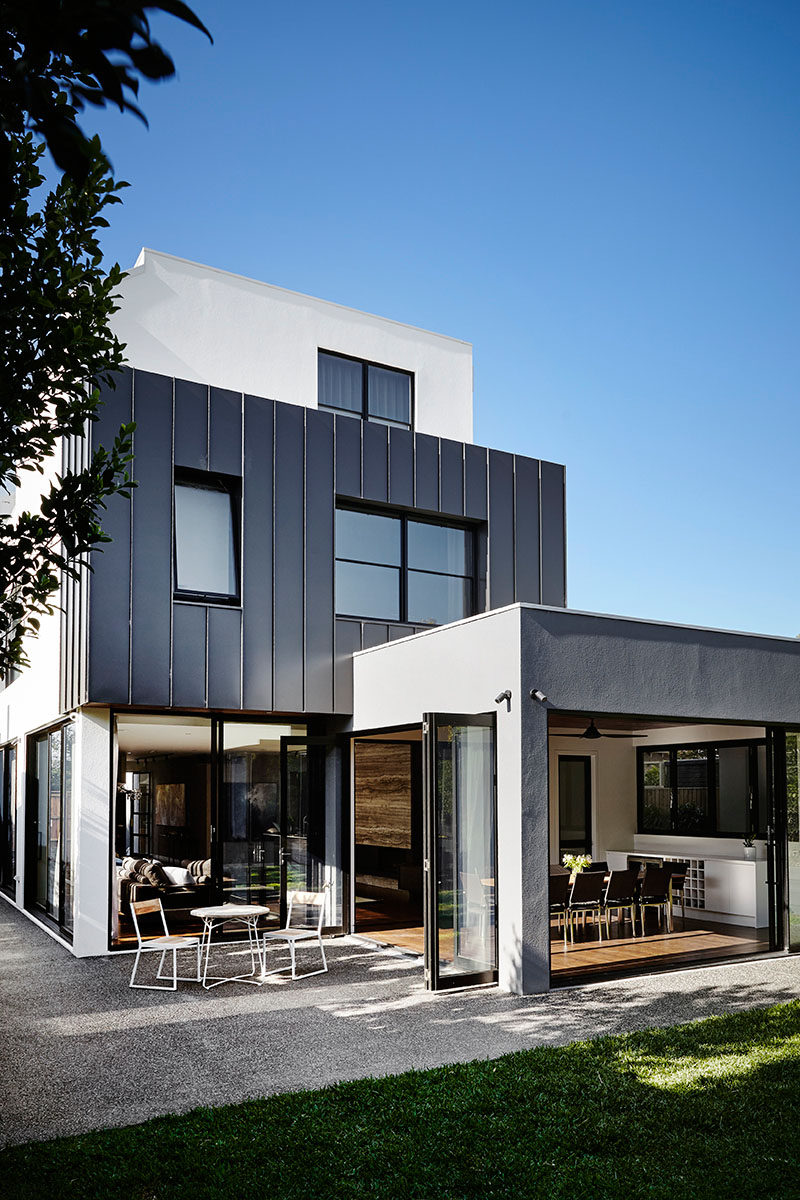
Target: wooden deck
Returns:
[622, 954]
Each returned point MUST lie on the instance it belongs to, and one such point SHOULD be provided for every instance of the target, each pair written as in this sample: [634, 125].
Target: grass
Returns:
[710, 1109]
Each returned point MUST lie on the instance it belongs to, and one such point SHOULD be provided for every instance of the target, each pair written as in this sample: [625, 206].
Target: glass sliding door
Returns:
[312, 832]
[8, 806]
[250, 818]
[793, 839]
[460, 849]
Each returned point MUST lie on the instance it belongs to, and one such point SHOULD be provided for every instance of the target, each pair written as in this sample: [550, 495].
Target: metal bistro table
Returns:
[221, 914]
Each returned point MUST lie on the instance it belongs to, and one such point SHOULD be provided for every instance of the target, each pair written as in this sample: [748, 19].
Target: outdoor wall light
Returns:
[506, 695]
[537, 695]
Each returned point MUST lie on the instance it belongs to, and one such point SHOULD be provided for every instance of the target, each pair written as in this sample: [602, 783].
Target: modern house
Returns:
[329, 643]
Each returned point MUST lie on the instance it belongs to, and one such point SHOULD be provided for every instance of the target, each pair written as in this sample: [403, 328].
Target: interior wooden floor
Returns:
[391, 924]
[690, 942]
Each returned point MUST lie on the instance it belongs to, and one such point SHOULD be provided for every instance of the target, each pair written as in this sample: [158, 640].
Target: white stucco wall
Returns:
[195, 322]
[92, 831]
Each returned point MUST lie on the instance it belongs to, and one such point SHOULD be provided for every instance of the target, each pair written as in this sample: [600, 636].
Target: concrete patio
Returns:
[81, 1051]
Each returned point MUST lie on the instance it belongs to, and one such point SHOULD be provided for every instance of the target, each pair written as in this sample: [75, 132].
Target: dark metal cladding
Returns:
[401, 468]
[191, 425]
[451, 465]
[224, 658]
[289, 564]
[501, 529]
[257, 554]
[189, 656]
[282, 649]
[151, 547]
[526, 530]
[110, 585]
[554, 559]
[375, 468]
[319, 555]
[225, 432]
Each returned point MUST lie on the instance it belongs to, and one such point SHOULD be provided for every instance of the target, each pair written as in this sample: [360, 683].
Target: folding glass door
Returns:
[8, 805]
[49, 875]
[460, 857]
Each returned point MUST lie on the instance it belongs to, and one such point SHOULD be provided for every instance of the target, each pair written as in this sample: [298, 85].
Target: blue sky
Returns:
[602, 197]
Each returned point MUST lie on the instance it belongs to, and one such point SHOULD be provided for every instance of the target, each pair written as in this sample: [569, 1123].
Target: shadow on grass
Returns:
[706, 1110]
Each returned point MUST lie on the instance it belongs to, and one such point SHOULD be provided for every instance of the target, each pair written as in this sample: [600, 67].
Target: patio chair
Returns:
[559, 899]
[299, 933]
[161, 945]
[654, 893]
[586, 895]
[620, 896]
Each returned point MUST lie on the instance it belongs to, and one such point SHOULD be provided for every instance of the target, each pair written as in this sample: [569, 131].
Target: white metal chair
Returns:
[299, 933]
[161, 945]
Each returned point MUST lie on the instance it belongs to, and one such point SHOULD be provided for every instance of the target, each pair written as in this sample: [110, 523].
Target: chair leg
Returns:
[324, 959]
[292, 950]
[135, 966]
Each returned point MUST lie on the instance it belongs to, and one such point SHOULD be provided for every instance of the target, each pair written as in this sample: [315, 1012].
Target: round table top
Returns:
[231, 910]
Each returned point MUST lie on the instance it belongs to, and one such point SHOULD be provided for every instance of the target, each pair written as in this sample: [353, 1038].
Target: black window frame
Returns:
[230, 485]
[364, 414]
[757, 806]
[406, 518]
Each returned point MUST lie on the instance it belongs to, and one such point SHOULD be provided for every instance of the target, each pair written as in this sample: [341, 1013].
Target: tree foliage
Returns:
[56, 347]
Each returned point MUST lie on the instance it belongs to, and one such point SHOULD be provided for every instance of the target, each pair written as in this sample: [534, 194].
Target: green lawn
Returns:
[704, 1110]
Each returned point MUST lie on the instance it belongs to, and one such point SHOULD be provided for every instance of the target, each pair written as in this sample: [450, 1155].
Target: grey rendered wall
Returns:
[282, 650]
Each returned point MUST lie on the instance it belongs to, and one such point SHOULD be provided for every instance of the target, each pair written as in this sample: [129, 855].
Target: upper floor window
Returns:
[393, 568]
[364, 389]
[206, 537]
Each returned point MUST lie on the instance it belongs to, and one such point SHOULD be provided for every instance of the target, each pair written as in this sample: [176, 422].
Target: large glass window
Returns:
[206, 559]
[715, 788]
[394, 569]
[363, 389]
[8, 804]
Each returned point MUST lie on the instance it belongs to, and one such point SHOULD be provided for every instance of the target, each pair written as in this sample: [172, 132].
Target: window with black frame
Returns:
[393, 568]
[206, 537]
[363, 389]
[714, 789]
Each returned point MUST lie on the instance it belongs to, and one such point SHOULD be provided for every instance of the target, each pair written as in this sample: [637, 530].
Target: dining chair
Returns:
[585, 897]
[678, 872]
[620, 897]
[654, 893]
[559, 899]
[299, 932]
[161, 945]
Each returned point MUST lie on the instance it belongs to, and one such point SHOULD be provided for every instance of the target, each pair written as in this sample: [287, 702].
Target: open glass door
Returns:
[783, 776]
[305, 833]
[460, 849]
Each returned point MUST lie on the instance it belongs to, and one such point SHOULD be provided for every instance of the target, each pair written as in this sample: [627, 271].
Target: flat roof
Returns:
[577, 612]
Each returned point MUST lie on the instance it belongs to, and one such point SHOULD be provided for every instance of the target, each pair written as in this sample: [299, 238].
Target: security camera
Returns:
[537, 695]
[506, 695]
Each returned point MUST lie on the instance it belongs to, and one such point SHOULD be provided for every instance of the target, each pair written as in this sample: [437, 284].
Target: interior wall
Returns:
[614, 813]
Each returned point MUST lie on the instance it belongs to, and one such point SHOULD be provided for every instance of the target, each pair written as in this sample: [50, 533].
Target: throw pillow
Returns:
[179, 876]
[156, 876]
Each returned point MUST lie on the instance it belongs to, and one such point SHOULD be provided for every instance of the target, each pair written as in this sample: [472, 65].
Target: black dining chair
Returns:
[654, 893]
[620, 897]
[678, 872]
[585, 897]
[559, 899]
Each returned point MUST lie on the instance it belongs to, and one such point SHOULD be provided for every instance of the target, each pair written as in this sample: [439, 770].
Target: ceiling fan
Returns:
[592, 733]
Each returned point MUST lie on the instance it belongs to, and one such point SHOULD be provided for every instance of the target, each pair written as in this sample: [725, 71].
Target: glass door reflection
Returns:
[251, 819]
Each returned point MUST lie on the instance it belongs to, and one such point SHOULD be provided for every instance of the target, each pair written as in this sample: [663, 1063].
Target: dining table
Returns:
[215, 916]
